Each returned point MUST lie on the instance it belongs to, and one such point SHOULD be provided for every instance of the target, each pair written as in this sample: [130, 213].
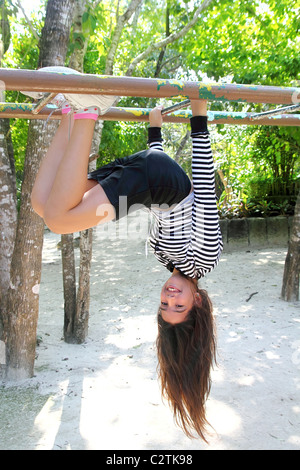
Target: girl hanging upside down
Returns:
[185, 237]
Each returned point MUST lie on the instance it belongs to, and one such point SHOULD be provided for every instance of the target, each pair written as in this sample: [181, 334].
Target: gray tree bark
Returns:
[22, 300]
[8, 216]
[76, 304]
[290, 283]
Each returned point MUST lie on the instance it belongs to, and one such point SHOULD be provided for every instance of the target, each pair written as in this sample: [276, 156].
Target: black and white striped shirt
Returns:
[188, 237]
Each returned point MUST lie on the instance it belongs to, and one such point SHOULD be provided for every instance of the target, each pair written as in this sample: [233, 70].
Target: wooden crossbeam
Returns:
[50, 82]
[24, 111]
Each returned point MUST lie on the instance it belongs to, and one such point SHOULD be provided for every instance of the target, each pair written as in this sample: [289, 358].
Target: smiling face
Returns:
[177, 298]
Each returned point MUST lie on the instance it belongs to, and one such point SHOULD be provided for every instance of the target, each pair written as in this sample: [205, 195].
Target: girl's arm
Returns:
[207, 239]
[199, 107]
[154, 131]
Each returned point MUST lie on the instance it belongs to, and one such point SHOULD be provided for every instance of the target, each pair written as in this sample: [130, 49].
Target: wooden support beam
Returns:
[50, 82]
[24, 111]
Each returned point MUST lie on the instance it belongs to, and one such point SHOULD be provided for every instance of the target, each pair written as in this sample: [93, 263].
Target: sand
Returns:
[104, 394]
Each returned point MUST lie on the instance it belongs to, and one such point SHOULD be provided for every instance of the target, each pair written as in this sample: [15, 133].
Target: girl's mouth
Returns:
[173, 289]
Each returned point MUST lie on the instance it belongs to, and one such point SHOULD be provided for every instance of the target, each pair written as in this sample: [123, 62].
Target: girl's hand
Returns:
[199, 107]
[155, 117]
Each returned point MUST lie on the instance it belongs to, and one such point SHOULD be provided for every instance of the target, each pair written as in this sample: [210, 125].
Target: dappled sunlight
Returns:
[246, 381]
[47, 422]
[294, 441]
[218, 375]
[271, 355]
[126, 334]
[104, 394]
[233, 336]
[245, 308]
[109, 420]
[223, 418]
[51, 254]
[269, 257]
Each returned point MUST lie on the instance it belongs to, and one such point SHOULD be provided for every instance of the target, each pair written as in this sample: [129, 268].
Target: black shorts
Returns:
[146, 178]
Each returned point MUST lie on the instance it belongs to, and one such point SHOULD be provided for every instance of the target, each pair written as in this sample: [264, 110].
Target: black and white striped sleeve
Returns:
[154, 138]
[206, 235]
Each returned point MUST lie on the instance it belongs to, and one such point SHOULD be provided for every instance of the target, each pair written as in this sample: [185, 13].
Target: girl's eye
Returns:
[164, 303]
[179, 306]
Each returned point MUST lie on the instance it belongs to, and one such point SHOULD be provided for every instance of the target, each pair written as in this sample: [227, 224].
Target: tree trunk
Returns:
[80, 42]
[86, 243]
[69, 285]
[122, 20]
[77, 304]
[290, 284]
[8, 216]
[56, 32]
[76, 313]
[83, 293]
[159, 64]
[8, 190]
[20, 319]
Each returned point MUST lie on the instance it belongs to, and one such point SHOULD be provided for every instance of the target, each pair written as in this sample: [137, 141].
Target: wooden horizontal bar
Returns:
[50, 82]
[214, 117]
[273, 112]
[24, 111]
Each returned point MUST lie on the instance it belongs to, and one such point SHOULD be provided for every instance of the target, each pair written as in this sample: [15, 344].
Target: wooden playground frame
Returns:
[52, 83]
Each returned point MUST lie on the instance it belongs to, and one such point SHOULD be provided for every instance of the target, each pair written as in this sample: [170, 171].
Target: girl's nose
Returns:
[170, 294]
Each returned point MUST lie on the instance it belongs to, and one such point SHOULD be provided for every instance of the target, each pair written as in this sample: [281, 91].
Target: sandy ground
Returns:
[104, 394]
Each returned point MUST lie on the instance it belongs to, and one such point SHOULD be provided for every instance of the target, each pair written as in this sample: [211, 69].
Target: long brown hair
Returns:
[186, 353]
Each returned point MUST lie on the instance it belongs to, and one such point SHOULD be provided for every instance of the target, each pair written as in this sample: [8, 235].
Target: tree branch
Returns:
[170, 39]
[160, 59]
[28, 21]
[182, 144]
[96, 3]
[77, 56]
[122, 20]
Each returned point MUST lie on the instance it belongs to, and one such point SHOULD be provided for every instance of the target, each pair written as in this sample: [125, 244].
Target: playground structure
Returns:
[54, 83]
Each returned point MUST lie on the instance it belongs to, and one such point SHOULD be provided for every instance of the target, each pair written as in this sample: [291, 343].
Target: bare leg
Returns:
[50, 164]
[70, 207]
[70, 181]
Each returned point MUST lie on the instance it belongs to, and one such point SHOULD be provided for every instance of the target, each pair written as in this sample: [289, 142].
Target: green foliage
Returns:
[250, 42]
[173, 134]
[260, 168]
[6, 9]
[19, 131]
[22, 52]
[276, 156]
[120, 140]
